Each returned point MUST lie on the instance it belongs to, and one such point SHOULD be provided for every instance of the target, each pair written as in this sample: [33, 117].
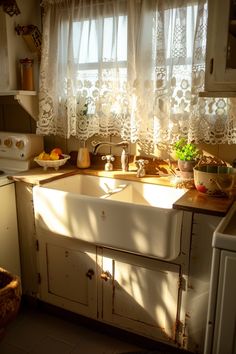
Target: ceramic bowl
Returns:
[52, 163]
[215, 181]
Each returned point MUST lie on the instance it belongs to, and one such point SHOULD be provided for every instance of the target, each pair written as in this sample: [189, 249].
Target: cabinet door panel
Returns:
[225, 325]
[221, 46]
[9, 248]
[142, 294]
[68, 274]
[67, 269]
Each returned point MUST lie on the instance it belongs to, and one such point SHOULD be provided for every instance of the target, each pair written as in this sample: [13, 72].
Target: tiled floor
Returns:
[38, 331]
[44, 329]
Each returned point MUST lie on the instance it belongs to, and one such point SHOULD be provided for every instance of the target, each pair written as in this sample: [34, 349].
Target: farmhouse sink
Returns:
[132, 216]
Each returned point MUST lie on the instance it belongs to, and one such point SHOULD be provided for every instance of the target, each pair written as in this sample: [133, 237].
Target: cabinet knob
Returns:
[90, 273]
[106, 276]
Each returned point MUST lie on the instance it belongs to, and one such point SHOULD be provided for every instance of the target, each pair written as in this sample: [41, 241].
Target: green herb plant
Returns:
[186, 151]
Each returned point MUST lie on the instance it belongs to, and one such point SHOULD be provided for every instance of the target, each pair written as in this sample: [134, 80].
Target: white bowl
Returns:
[52, 163]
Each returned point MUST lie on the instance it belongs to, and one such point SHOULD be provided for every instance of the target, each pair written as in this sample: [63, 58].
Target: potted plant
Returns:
[187, 154]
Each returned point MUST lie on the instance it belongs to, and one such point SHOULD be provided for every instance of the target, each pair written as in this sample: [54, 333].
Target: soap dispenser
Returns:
[83, 157]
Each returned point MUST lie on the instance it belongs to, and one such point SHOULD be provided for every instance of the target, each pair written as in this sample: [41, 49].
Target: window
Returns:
[130, 68]
[103, 62]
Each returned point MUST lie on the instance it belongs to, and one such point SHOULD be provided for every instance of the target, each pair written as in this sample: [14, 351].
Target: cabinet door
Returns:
[140, 294]
[27, 239]
[9, 244]
[225, 330]
[221, 46]
[68, 274]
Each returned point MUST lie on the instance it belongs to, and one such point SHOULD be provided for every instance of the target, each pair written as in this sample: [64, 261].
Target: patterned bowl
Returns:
[215, 181]
[52, 163]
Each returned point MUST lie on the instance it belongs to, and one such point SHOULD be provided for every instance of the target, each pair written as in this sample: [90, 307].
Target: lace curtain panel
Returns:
[128, 68]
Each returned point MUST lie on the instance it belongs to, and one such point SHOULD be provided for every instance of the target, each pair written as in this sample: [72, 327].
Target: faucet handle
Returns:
[108, 164]
[141, 162]
[141, 167]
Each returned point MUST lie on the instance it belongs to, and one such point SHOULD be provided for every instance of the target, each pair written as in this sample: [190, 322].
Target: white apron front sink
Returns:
[133, 216]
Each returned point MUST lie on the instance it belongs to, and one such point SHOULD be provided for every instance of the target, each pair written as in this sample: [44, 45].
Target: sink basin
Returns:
[132, 216]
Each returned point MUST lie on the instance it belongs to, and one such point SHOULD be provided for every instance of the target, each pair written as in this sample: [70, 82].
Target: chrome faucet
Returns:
[124, 154]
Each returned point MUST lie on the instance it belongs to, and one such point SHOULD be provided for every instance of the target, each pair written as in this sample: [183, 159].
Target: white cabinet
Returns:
[132, 292]
[221, 46]
[140, 294]
[27, 239]
[9, 243]
[199, 279]
[68, 274]
[15, 47]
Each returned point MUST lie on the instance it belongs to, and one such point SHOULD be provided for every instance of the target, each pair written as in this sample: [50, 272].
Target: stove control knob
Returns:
[8, 142]
[20, 144]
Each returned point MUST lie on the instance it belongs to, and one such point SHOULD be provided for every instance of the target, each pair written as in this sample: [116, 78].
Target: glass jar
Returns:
[27, 74]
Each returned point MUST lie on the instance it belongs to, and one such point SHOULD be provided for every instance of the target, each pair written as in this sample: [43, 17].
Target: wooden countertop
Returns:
[197, 202]
[38, 176]
[192, 200]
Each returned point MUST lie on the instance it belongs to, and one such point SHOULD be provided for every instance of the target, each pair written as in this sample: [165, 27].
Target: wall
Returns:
[14, 118]
[225, 152]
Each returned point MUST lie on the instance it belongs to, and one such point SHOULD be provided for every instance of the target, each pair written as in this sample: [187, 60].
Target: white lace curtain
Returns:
[128, 68]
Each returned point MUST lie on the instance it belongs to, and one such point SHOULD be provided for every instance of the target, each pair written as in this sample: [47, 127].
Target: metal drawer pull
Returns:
[106, 276]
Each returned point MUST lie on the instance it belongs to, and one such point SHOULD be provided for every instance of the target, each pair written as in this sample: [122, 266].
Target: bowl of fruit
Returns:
[54, 159]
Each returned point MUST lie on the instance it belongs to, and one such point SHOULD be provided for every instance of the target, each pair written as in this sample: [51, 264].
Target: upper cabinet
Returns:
[14, 47]
[221, 48]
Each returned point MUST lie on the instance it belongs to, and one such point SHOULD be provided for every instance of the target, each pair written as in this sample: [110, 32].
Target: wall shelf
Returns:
[28, 100]
[219, 94]
[17, 92]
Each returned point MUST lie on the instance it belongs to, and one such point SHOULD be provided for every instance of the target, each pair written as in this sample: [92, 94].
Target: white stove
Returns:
[221, 329]
[17, 152]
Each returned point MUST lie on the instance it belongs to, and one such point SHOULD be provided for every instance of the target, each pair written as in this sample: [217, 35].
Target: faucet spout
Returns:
[124, 155]
[97, 145]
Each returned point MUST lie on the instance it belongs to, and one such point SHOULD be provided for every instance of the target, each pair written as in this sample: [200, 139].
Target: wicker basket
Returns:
[10, 296]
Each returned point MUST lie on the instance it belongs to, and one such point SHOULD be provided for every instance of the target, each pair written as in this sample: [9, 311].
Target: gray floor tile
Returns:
[7, 348]
[36, 331]
[50, 345]
[98, 343]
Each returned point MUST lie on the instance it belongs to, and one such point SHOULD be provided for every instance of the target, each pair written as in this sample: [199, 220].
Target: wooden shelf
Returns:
[17, 92]
[218, 94]
[28, 100]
